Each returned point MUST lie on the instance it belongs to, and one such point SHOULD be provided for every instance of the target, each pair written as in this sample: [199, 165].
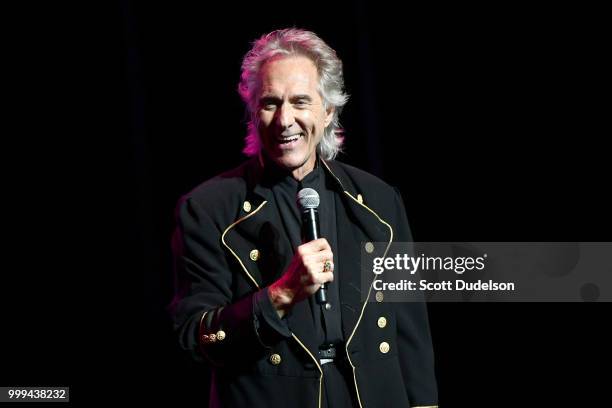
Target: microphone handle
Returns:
[310, 225]
[310, 228]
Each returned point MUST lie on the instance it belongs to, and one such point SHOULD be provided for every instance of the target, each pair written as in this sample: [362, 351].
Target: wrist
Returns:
[280, 297]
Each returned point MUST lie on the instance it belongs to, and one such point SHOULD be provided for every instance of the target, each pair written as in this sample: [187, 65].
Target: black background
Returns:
[491, 121]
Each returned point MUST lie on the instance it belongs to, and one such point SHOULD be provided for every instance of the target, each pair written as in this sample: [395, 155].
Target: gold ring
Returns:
[327, 266]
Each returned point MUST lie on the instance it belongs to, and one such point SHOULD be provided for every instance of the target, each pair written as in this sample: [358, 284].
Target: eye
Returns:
[268, 103]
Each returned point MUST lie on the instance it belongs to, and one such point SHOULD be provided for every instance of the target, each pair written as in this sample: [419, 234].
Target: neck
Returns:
[297, 173]
[301, 172]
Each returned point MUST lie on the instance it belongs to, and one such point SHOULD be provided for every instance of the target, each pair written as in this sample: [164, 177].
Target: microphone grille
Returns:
[308, 198]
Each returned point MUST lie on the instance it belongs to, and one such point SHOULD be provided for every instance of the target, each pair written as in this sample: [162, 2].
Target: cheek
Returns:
[314, 121]
[263, 120]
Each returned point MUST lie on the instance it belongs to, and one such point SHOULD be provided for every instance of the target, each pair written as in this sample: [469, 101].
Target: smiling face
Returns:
[291, 115]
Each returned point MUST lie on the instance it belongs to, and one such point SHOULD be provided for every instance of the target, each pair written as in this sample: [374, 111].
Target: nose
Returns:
[285, 117]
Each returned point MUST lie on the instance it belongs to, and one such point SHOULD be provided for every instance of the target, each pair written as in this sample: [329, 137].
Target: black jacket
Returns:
[227, 250]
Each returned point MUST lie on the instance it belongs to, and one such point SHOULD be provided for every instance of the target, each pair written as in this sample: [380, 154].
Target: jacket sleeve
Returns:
[209, 320]
[414, 340]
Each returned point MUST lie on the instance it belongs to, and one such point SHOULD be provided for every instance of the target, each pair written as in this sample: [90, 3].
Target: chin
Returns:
[291, 161]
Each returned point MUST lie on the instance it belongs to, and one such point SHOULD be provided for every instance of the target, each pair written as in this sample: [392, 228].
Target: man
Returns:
[246, 280]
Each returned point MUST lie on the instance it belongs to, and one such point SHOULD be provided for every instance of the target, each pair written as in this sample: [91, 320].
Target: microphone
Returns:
[308, 202]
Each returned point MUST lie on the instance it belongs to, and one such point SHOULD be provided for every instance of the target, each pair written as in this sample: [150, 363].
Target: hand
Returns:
[303, 276]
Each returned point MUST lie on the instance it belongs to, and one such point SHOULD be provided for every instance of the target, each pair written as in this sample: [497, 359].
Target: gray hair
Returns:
[293, 41]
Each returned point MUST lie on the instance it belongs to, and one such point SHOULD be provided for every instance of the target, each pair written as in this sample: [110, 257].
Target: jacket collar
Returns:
[259, 185]
[259, 181]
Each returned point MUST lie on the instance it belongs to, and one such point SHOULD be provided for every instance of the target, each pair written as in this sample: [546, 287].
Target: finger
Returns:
[317, 245]
[319, 257]
[316, 262]
[324, 244]
[324, 277]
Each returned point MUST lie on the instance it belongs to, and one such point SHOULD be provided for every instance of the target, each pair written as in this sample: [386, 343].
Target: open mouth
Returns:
[284, 140]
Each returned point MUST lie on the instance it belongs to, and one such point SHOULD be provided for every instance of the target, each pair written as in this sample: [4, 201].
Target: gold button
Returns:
[254, 255]
[360, 198]
[220, 335]
[246, 206]
[369, 247]
[275, 359]
[384, 347]
[382, 322]
[379, 297]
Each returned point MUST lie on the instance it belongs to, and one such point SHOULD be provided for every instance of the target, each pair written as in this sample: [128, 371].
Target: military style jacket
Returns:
[227, 250]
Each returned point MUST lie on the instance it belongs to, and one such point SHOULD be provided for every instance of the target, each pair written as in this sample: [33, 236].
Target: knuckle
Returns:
[308, 262]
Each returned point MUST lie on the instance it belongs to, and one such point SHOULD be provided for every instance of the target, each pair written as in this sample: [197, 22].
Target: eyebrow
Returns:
[264, 100]
[303, 97]
[273, 99]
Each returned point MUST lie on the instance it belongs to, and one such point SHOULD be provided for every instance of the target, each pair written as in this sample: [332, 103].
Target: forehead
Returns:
[295, 73]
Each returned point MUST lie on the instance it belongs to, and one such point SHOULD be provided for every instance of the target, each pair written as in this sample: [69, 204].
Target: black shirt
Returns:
[284, 189]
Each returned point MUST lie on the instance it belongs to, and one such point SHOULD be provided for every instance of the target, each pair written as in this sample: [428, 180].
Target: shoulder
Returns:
[220, 196]
[360, 181]
[385, 200]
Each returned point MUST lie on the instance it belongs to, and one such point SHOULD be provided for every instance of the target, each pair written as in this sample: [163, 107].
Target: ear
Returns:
[329, 115]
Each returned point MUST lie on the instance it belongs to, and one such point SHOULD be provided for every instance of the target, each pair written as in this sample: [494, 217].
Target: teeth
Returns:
[289, 138]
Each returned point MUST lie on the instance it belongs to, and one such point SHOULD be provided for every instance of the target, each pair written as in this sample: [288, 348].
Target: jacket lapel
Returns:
[262, 231]
[259, 244]
[365, 226]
